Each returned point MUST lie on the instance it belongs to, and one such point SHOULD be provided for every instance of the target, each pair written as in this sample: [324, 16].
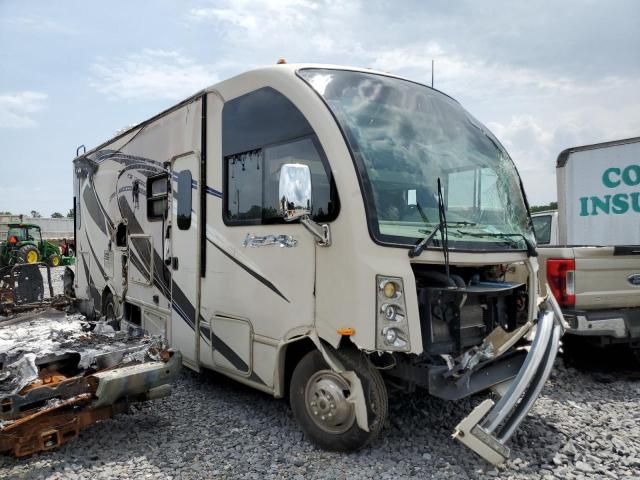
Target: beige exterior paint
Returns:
[252, 302]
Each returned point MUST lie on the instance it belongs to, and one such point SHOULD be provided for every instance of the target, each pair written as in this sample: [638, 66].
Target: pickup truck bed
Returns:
[598, 291]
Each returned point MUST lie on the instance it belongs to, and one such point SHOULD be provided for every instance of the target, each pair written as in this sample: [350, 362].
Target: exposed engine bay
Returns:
[468, 318]
[458, 311]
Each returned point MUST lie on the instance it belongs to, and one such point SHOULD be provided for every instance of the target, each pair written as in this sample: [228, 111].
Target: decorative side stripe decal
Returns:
[251, 272]
[94, 210]
[93, 291]
[179, 300]
[96, 259]
[232, 357]
[213, 192]
[133, 162]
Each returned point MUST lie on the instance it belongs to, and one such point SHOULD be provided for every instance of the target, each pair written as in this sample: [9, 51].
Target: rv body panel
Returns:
[112, 192]
[234, 287]
[184, 261]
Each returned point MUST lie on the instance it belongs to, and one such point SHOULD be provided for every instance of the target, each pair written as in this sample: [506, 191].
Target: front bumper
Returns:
[490, 425]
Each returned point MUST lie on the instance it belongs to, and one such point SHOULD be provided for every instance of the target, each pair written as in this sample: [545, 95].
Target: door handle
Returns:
[174, 263]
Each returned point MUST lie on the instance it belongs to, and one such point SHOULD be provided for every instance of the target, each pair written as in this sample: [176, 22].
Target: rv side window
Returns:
[302, 151]
[542, 229]
[261, 131]
[157, 194]
[253, 180]
[244, 181]
[183, 196]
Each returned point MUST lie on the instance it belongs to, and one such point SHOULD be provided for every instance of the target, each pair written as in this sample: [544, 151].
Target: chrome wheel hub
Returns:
[326, 402]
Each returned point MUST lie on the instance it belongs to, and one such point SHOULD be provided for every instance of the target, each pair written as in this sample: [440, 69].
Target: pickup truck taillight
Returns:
[561, 278]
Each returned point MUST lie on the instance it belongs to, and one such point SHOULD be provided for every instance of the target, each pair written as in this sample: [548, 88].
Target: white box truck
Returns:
[323, 232]
[590, 248]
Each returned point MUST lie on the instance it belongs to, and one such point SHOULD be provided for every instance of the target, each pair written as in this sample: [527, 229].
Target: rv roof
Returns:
[278, 69]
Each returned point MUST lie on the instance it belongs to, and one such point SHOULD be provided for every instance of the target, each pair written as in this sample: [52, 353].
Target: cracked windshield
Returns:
[404, 136]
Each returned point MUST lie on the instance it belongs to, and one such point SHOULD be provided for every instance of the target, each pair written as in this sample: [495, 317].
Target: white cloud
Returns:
[151, 74]
[256, 15]
[465, 73]
[301, 30]
[17, 109]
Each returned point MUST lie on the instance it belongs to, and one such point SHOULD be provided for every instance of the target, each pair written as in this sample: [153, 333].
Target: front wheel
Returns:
[318, 398]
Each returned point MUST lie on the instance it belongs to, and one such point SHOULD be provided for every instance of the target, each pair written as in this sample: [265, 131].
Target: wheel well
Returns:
[293, 354]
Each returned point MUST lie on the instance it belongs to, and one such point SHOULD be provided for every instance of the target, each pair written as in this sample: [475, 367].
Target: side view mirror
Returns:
[295, 191]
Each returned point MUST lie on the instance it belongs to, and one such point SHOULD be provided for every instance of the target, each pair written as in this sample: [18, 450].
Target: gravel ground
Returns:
[586, 424]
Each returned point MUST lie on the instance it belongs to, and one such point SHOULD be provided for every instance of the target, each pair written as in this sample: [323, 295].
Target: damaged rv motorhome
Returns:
[324, 233]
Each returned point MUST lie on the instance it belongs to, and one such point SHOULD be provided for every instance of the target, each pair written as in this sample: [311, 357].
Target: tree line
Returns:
[36, 214]
[541, 208]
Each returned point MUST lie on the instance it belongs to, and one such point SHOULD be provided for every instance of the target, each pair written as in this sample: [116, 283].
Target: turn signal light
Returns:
[347, 331]
[561, 277]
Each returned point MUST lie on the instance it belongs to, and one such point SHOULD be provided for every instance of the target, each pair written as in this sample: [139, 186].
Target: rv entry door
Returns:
[185, 256]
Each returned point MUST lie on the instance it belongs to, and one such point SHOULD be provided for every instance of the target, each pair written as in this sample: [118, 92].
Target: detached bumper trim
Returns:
[489, 426]
[614, 327]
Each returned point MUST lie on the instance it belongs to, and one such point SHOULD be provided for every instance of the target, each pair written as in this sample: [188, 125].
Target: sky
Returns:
[542, 75]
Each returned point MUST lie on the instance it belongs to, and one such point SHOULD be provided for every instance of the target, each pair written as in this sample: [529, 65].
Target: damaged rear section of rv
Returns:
[325, 233]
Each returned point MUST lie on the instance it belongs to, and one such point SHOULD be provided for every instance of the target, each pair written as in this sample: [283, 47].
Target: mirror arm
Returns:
[321, 232]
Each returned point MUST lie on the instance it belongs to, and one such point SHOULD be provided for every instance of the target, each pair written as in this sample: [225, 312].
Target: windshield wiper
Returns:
[424, 243]
[442, 228]
[419, 247]
[531, 249]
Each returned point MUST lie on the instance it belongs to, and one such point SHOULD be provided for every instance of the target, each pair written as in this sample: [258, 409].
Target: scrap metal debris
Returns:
[22, 288]
[60, 374]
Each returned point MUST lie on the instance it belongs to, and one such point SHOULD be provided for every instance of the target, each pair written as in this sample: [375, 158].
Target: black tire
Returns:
[348, 436]
[109, 312]
[24, 253]
[55, 260]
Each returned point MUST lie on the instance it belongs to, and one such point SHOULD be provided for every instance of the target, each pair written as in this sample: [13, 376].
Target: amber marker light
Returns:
[347, 331]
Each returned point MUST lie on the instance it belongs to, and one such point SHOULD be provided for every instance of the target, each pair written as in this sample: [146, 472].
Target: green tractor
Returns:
[24, 244]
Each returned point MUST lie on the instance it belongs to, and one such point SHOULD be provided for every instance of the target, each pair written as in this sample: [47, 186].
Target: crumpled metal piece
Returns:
[20, 374]
[475, 355]
[103, 328]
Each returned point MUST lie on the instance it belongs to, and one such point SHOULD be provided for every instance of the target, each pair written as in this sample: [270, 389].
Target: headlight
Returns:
[393, 338]
[392, 313]
[390, 288]
[391, 321]
[390, 336]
